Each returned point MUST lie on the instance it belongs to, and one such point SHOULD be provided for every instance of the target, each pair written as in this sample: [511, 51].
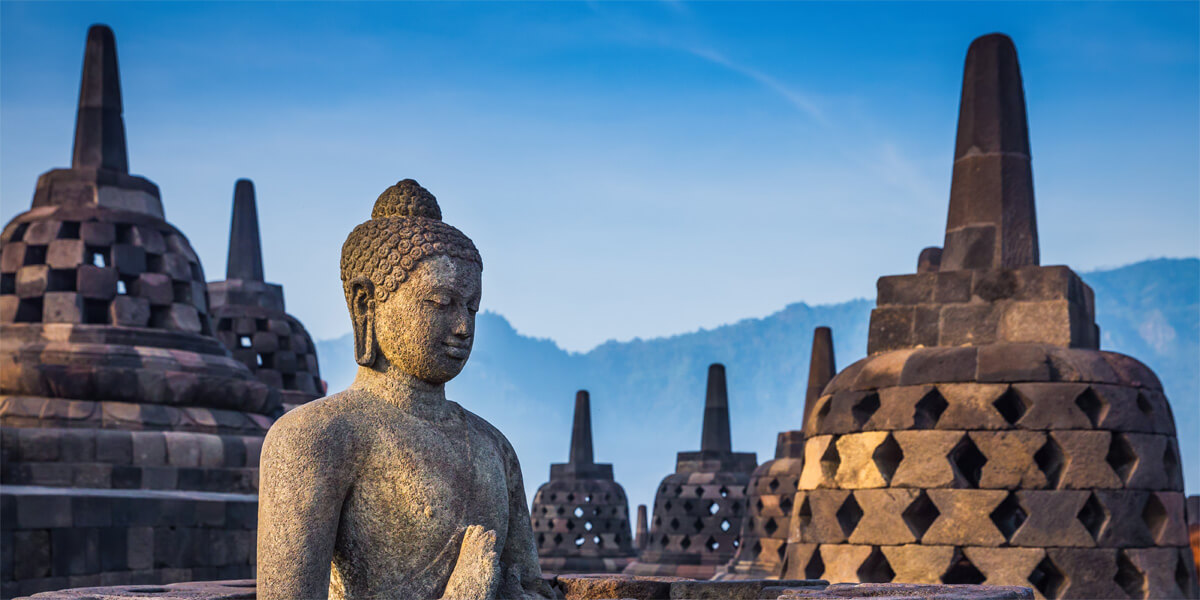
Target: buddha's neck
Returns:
[400, 388]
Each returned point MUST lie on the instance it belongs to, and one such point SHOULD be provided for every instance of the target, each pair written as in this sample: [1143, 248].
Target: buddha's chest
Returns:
[422, 484]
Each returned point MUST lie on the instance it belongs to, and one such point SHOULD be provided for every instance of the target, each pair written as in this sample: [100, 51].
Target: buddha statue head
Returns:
[412, 285]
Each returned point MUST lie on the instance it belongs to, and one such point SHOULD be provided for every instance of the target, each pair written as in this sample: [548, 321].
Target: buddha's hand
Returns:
[476, 575]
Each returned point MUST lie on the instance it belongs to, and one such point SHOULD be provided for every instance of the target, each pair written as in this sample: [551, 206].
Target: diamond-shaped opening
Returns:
[698, 525]
[587, 499]
[1047, 578]
[674, 524]
[1093, 516]
[1121, 456]
[756, 549]
[968, 462]
[570, 524]
[849, 515]
[541, 539]
[864, 408]
[1011, 405]
[711, 544]
[774, 484]
[920, 515]
[815, 567]
[679, 490]
[1008, 516]
[804, 513]
[929, 409]
[876, 568]
[1049, 458]
[1092, 405]
[962, 571]
[725, 525]
[736, 544]
[687, 505]
[758, 505]
[560, 510]
[578, 511]
[770, 526]
[667, 505]
[587, 525]
[1171, 465]
[699, 490]
[578, 541]
[822, 412]
[558, 538]
[686, 542]
[713, 507]
[785, 504]
[1154, 514]
[887, 457]
[830, 461]
[1143, 404]
[723, 492]
[1183, 575]
[1129, 577]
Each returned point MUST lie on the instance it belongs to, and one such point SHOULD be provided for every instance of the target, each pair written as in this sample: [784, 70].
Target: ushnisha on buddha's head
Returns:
[412, 285]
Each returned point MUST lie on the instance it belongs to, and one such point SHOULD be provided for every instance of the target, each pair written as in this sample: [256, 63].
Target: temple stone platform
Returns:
[603, 587]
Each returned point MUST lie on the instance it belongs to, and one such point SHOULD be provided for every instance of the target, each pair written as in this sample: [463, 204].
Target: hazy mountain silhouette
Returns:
[647, 395]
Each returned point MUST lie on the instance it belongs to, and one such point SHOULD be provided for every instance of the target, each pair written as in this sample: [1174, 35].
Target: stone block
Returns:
[883, 521]
[44, 512]
[596, 587]
[926, 325]
[159, 478]
[1005, 566]
[154, 287]
[129, 311]
[140, 548]
[41, 232]
[925, 463]
[114, 447]
[918, 563]
[905, 289]
[31, 554]
[62, 307]
[1087, 454]
[968, 325]
[183, 449]
[175, 266]
[94, 282]
[891, 328]
[91, 475]
[1002, 363]
[91, 511]
[842, 562]
[1149, 470]
[181, 317]
[964, 518]
[32, 281]
[1090, 572]
[210, 513]
[952, 287]
[1115, 519]
[39, 445]
[820, 462]
[1047, 322]
[896, 407]
[77, 445]
[858, 468]
[12, 257]
[1151, 576]
[65, 254]
[1053, 519]
[149, 448]
[95, 233]
[74, 551]
[129, 260]
[882, 370]
[971, 406]
[10, 305]
[1053, 405]
[825, 524]
[1117, 407]
[1010, 459]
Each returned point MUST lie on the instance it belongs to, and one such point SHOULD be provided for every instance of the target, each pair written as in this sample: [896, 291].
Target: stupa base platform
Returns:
[579, 564]
[597, 587]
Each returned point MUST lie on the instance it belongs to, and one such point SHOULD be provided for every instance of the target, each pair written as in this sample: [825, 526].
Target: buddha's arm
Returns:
[519, 559]
[305, 472]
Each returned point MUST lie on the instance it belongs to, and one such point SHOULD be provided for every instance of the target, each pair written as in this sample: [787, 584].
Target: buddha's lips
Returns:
[458, 351]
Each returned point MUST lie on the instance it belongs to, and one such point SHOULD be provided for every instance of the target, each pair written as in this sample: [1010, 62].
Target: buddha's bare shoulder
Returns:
[481, 427]
[326, 425]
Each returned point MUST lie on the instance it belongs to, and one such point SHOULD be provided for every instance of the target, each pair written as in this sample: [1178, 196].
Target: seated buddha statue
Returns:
[388, 489]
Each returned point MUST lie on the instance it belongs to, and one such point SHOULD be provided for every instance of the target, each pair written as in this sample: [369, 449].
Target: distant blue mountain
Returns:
[647, 395]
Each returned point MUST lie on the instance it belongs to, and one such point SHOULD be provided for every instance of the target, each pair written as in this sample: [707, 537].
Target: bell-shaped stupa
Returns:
[581, 516]
[130, 435]
[773, 485]
[986, 438]
[698, 510]
[249, 317]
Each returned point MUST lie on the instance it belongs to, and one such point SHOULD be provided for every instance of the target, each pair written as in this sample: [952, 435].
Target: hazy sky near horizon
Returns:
[626, 169]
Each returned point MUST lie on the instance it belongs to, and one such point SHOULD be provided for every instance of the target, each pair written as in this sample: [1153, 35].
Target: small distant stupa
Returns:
[698, 510]
[762, 549]
[249, 316]
[581, 516]
[986, 438]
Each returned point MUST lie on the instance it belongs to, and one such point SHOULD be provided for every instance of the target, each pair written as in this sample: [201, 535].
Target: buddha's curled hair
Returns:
[406, 226]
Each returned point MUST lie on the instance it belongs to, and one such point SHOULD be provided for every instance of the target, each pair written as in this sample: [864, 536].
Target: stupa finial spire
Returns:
[992, 221]
[715, 430]
[99, 127]
[245, 248]
[821, 367]
[581, 430]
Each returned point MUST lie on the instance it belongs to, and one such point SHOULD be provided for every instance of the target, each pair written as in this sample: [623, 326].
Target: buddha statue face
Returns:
[427, 326]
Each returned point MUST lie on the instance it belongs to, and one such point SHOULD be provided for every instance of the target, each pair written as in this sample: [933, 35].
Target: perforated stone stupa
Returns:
[773, 485]
[698, 510]
[130, 435]
[581, 516]
[249, 316]
[986, 438]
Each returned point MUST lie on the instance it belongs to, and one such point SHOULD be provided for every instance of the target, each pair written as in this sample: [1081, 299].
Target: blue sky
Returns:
[626, 169]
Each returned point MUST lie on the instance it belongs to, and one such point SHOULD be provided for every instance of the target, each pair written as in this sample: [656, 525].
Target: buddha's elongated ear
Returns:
[362, 317]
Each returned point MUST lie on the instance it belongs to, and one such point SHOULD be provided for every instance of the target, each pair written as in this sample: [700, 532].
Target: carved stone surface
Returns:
[698, 510]
[405, 493]
[986, 438]
[249, 316]
[581, 516]
[120, 414]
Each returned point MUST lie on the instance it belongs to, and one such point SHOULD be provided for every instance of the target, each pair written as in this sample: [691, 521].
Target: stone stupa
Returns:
[130, 435]
[772, 489]
[698, 510]
[986, 438]
[581, 516]
[249, 316]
